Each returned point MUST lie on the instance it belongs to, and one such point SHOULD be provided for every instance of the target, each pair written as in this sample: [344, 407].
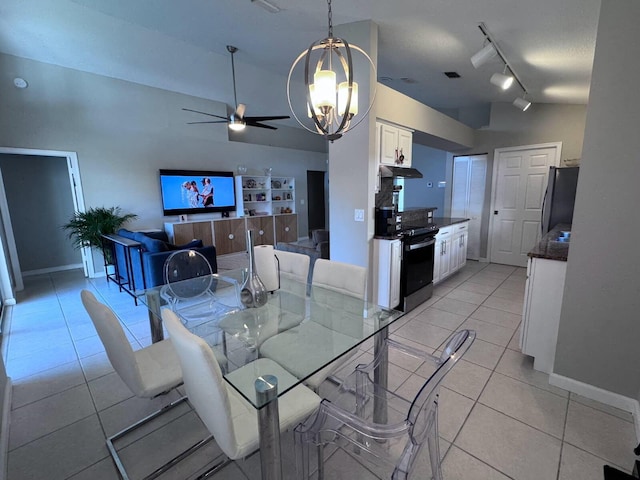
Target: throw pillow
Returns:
[150, 244]
[123, 232]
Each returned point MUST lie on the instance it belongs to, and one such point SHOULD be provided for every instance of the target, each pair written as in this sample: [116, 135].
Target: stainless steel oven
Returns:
[416, 274]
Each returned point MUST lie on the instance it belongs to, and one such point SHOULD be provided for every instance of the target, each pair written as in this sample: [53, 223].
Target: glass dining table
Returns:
[303, 328]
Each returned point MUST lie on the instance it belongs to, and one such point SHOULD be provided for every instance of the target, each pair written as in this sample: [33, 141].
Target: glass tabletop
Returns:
[299, 331]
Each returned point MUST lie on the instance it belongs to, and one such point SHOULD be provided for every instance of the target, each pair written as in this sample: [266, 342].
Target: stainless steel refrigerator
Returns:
[560, 197]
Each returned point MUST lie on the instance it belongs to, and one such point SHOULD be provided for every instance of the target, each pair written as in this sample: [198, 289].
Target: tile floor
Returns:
[499, 418]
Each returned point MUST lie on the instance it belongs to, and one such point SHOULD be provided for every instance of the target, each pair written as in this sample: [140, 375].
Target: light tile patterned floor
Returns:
[499, 418]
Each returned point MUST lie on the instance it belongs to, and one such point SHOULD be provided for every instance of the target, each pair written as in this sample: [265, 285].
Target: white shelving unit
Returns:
[265, 195]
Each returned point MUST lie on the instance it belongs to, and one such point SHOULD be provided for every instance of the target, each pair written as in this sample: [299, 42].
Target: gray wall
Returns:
[510, 127]
[124, 132]
[600, 324]
[39, 198]
[432, 163]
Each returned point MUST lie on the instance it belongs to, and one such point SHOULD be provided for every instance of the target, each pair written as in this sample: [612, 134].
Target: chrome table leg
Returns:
[269, 427]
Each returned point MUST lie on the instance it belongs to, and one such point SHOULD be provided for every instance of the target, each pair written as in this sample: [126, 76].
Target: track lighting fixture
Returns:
[505, 79]
[522, 103]
[484, 55]
[502, 80]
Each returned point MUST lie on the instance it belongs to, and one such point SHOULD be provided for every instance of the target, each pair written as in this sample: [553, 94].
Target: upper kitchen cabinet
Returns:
[393, 145]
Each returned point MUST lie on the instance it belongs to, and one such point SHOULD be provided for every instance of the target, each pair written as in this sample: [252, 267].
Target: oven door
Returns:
[417, 263]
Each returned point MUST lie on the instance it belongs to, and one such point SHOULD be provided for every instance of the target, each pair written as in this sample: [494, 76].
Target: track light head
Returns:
[484, 55]
[501, 80]
[522, 103]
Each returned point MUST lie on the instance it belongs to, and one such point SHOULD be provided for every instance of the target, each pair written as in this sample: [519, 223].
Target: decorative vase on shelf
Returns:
[253, 293]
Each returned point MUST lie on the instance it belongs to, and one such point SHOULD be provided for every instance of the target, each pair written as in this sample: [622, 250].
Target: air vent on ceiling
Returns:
[452, 74]
[385, 79]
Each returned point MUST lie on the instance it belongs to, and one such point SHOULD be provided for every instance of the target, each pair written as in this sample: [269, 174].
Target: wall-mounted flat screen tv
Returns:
[197, 191]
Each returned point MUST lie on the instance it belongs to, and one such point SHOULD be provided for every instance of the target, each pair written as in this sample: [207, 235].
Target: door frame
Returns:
[494, 180]
[75, 184]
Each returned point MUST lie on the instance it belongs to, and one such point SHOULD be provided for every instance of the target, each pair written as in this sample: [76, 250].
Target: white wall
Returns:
[124, 132]
[599, 333]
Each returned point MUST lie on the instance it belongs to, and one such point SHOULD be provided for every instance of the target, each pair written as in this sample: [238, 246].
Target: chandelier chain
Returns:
[329, 15]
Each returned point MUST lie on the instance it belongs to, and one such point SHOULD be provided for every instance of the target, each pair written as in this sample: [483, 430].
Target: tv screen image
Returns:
[197, 191]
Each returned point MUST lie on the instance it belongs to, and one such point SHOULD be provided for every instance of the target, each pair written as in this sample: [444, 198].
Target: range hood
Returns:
[387, 171]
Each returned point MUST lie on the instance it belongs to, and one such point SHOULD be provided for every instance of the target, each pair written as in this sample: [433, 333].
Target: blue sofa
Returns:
[150, 256]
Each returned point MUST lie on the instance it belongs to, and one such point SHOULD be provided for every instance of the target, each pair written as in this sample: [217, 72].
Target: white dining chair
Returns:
[148, 372]
[293, 265]
[226, 413]
[389, 443]
[334, 280]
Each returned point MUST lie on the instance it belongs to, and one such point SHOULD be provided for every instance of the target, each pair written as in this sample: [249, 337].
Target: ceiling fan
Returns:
[237, 121]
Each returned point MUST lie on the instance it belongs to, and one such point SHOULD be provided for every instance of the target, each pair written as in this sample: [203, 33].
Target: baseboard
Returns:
[483, 260]
[4, 430]
[59, 268]
[616, 400]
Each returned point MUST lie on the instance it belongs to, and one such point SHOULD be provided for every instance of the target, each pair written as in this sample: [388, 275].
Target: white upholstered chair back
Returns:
[340, 277]
[295, 265]
[115, 342]
[205, 386]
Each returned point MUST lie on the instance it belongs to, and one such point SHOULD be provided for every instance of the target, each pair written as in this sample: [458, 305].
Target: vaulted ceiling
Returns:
[180, 45]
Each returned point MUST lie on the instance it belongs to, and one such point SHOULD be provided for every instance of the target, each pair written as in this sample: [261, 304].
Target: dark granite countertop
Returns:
[443, 222]
[551, 249]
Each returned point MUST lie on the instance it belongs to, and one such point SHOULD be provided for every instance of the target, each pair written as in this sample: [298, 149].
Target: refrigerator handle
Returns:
[544, 201]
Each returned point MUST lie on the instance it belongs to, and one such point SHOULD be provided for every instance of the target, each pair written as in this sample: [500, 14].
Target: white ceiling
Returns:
[180, 44]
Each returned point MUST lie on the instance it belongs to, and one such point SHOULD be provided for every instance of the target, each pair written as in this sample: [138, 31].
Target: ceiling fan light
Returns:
[343, 95]
[484, 55]
[522, 103]
[501, 80]
[236, 125]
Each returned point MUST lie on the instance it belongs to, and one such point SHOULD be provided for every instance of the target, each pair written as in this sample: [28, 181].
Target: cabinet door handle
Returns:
[286, 229]
[231, 236]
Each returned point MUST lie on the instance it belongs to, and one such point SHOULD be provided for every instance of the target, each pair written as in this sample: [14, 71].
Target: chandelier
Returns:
[331, 91]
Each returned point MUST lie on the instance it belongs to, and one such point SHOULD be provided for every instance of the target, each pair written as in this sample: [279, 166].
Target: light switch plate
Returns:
[358, 215]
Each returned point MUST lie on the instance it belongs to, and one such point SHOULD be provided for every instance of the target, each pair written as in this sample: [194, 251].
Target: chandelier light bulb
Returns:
[324, 83]
[343, 95]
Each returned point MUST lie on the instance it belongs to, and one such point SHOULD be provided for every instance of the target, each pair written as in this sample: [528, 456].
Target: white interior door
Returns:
[520, 179]
[467, 197]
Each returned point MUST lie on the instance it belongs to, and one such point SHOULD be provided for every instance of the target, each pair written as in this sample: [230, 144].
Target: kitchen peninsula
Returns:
[546, 271]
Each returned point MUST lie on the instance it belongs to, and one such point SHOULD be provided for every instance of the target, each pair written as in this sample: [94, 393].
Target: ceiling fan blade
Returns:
[212, 121]
[205, 113]
[261, 125]
[240, 110]
[264, 119]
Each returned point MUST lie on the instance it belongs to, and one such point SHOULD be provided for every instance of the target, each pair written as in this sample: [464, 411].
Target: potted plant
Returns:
[85, 228]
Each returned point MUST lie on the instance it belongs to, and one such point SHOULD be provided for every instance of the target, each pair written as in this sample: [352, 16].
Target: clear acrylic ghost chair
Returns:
[230, 418]
[389, 441]
[148, 372]
[190, 291]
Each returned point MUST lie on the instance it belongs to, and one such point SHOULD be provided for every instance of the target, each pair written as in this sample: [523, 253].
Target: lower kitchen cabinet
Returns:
[541, 311]
[386, 272]
[451, 250]
[286, 228]
[442, 256]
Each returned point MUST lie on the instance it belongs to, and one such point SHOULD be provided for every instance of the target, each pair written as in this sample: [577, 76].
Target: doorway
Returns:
[316, 186]
[519, 179]
[36, 199]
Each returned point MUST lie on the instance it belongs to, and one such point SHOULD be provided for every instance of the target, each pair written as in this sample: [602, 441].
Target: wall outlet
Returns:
[358, 215]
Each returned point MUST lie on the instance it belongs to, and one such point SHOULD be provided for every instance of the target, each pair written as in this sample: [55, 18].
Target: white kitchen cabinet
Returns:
[541, 311]
[386, 272]
[392, 142]
[442, 256]
[459, 240]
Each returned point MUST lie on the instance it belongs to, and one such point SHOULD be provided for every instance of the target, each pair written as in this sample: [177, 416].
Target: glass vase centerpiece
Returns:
[253, 293]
